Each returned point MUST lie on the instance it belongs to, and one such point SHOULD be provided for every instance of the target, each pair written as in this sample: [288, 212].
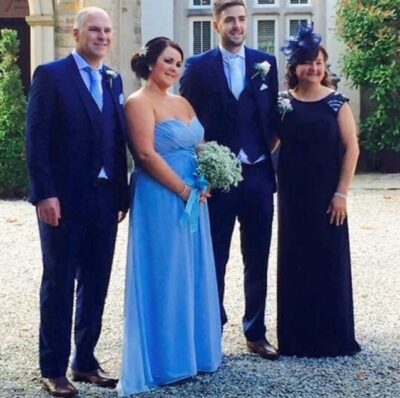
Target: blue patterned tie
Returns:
[95, 85]
[236, 76]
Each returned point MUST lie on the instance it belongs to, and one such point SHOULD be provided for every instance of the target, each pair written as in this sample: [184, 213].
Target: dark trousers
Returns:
[81, 249]
[252, 204]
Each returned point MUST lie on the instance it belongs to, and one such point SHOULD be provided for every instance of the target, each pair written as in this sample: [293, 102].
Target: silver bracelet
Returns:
[340, 195]
[184, 191]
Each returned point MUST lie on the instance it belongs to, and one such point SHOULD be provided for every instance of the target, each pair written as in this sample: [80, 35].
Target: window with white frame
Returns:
[202, 35]
[266, 35]
[294, 25]
[201, 3]
[299, 2]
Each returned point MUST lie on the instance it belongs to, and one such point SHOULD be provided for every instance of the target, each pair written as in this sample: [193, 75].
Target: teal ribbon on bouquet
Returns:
[191, 213]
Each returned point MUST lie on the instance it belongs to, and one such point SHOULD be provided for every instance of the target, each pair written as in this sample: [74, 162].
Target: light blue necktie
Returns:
[95, 85]
[236, 76]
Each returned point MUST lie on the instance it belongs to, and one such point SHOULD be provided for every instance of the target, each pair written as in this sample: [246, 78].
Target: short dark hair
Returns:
[147, 56]
[220, 5]
[291, 79]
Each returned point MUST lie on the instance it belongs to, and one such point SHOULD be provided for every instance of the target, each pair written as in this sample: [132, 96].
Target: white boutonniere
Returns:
[284, 104]
[262, 69]
[111, 75]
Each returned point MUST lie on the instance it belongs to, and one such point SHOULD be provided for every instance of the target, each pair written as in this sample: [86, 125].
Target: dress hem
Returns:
[164, 383]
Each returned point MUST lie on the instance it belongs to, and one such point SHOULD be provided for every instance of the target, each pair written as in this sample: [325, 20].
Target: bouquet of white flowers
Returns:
[219, 166]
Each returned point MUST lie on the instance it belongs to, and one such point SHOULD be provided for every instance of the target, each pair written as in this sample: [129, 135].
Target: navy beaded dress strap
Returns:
[336, 101]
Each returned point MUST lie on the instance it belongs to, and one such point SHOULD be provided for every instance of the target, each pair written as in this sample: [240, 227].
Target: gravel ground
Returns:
[375, 372]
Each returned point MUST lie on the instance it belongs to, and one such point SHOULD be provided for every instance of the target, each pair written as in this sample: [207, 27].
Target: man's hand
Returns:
[49, 211]
[121, 215]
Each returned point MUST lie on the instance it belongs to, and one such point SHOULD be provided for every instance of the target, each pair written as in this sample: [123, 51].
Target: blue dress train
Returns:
[172, 326]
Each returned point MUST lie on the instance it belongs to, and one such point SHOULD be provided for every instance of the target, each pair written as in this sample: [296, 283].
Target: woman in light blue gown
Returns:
[172, 326]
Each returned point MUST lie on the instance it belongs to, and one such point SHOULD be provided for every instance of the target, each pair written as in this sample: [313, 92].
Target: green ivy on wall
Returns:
[371, 31]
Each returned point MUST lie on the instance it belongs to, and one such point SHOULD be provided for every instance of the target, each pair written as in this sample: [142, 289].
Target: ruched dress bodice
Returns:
[174, 135]
[176, 140]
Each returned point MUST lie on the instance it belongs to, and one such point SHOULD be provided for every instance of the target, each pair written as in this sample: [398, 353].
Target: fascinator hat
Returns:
[302, 47]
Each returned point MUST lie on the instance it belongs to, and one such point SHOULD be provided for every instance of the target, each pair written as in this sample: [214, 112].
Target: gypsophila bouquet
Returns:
[219, 166]
[284, 104]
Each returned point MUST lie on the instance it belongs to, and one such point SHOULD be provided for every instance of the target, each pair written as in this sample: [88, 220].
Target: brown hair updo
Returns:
[147, 56]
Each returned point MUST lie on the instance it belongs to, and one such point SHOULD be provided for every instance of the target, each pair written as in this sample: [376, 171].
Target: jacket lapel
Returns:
[219, 80]
[107, 85]
[251, 82]
[255, 82]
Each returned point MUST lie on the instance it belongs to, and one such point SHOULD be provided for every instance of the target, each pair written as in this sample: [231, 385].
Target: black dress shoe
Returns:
[97, 377]
[59, 387]
[263, 349]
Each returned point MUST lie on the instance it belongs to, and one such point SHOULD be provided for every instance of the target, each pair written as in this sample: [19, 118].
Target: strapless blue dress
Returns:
[172, 326]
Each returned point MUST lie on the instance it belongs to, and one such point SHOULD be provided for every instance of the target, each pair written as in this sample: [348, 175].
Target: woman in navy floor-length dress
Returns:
[172, 326]
[318, 156]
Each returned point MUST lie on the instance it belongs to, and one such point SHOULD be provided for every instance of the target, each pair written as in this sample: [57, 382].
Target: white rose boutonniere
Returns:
[262, 69]
[111, 75]
[284, 104]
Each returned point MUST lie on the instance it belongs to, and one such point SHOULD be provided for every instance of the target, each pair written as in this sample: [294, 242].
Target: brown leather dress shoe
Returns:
[263, 349]
[97, 377]
[59, 387]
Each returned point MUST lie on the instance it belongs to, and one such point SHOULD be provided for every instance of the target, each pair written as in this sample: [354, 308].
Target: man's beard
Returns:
[229, 42]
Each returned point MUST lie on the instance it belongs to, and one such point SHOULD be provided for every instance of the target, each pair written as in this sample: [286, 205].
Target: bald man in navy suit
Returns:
[77, 166]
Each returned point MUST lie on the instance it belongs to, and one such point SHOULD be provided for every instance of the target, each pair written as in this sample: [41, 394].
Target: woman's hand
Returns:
[185, 194]
[204, 196]
[338, 210]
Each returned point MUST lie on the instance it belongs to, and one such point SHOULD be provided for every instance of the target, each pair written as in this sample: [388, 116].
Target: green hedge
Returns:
[371, 31]
[13, 176]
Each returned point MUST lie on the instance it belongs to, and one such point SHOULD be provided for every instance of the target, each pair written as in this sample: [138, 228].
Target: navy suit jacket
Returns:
[64, 145]
[205, 86]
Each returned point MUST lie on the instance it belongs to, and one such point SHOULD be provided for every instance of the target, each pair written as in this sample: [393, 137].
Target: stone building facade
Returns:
[270, 22]
[50, 25]
[189, 22]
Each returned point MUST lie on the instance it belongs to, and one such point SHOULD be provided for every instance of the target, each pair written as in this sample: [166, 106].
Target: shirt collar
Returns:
[81, 62]
[226, 55]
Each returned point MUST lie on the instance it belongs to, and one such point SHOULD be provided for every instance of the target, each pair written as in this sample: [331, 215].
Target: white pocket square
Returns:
[121, 99]
[263, 87]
